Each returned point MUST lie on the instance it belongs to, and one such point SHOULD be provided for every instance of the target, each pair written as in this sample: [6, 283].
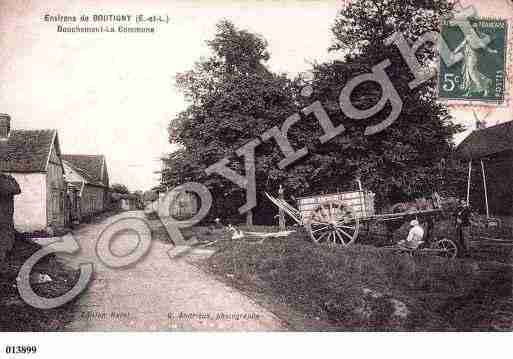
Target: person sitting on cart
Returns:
[415, 236]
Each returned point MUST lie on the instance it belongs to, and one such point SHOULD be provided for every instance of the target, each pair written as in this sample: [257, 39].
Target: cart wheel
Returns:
[446, 248]
[333, 222]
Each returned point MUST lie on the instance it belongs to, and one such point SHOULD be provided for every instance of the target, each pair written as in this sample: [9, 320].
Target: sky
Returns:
[113, 94]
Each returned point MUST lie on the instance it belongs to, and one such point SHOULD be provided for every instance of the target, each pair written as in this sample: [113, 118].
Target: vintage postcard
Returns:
[255, 166]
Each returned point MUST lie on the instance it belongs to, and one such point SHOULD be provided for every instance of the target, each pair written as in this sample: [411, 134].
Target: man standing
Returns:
[462, 225]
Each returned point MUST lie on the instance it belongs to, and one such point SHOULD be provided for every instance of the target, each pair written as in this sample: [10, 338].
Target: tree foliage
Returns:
[234, 98]
[365, 24]
[405, 159]
[119, 188]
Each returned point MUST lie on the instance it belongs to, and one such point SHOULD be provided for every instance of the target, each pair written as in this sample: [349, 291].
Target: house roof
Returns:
[78, 175]
[488, 141]
[91, 167]
[26, 150]
[8, 185]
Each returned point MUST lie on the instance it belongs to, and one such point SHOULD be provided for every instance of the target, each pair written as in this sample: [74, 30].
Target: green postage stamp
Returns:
[478, 70]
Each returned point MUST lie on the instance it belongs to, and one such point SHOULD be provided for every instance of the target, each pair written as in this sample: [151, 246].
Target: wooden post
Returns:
[485, 190]
[363, 208]
[359, 181]
[249, 218]
[281, 214]
[468, 182]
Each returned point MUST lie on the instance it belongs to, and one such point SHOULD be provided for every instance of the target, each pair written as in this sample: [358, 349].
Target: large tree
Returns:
[233, 99]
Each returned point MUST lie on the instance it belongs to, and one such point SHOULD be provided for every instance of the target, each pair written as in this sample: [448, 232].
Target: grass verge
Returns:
[363, 288]
[15, 314]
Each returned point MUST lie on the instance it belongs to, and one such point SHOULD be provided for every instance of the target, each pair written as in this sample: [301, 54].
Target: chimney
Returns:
[5, 126]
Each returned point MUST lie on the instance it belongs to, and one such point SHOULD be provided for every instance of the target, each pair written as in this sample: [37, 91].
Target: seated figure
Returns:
[415, 236]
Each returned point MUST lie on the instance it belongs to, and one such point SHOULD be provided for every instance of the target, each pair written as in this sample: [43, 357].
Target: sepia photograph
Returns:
[262, 166]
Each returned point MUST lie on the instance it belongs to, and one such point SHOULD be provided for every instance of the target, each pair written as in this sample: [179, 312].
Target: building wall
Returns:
[499, 175]
[56, 192]
[105, 181]
[125, 204]
[106, 199]
[92, 200]
[74, 204]
[30, 205]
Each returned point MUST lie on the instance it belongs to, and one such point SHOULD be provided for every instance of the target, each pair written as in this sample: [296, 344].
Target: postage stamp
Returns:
[479, 73]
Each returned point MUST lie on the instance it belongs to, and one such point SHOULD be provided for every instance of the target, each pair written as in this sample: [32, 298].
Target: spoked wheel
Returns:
[333, 222]
[446, 248]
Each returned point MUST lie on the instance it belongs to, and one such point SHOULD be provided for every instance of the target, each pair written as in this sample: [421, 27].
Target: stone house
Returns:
[32, 157]
[88, 184]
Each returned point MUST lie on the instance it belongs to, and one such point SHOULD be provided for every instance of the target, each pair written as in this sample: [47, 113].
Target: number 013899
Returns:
[20, 349]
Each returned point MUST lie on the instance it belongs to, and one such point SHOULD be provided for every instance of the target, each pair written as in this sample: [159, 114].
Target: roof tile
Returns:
[89, 166]
[26, 150]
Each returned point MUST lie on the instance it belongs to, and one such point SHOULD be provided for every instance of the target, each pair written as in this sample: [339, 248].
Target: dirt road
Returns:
[158, 293]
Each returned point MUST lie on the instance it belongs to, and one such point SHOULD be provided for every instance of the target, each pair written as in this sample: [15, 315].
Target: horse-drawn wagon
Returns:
[337, 218]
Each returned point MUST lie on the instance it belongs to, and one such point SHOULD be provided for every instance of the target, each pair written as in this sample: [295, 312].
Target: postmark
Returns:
[480, 75]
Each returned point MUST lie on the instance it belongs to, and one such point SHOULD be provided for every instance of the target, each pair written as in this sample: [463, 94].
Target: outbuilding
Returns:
[33, 158]
[489, 154]
[88, 184]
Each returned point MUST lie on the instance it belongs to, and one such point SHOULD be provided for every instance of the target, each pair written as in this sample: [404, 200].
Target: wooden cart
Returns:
[337, 218]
